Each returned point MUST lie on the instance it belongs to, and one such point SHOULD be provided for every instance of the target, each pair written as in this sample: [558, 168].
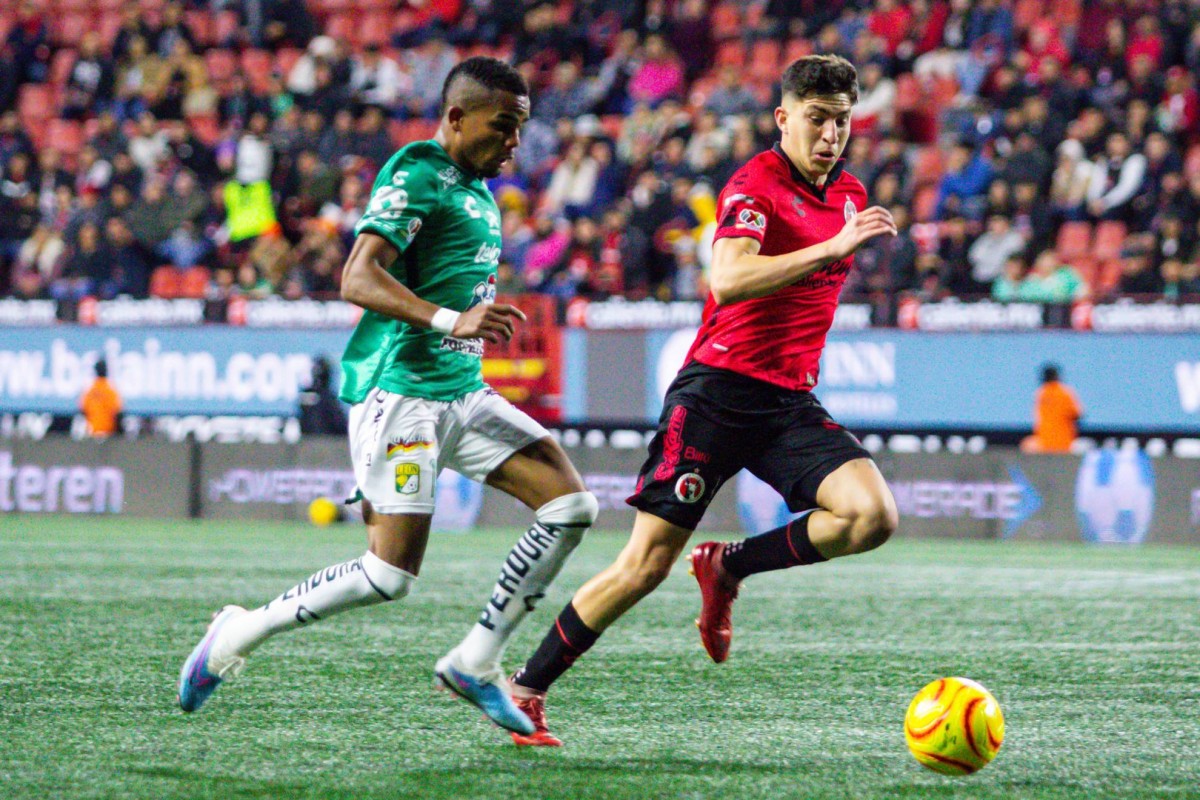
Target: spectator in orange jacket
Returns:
[1056, 415]
[100, 404]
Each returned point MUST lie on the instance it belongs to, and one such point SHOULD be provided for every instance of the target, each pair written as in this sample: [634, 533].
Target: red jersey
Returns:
[779, 338]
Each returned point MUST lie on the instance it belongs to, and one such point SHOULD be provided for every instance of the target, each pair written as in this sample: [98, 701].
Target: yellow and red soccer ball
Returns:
[954, 726]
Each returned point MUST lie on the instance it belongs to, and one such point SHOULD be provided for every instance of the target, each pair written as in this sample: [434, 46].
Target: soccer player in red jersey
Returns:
[790, 221]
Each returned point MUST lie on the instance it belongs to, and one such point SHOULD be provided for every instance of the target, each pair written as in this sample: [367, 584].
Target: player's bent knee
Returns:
[873, 526]
[387, 581]
[571, 513]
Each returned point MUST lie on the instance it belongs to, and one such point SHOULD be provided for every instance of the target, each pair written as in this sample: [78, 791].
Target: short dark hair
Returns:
[813, 76]
[490, 73]
[1049, 373]
[102, 369]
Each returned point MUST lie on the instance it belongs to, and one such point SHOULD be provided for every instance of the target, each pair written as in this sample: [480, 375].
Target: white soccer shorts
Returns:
[398, 444]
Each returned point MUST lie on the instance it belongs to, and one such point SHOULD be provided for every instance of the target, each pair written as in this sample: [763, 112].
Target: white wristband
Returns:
[444, 320]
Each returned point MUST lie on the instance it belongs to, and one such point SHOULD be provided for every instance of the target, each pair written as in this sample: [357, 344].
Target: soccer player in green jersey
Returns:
[423, 268]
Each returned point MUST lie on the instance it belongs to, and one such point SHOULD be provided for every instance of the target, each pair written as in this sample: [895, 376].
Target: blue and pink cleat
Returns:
[200, 675]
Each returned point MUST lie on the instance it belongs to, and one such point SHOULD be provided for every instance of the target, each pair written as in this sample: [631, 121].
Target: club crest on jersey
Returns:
[414, 225]
[754, 220]
[408, 478]
[484, 292]
[690, 487]
[850, 210]
[449, 176]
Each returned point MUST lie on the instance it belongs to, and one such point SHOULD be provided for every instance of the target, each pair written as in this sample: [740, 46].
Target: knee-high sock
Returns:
[362, 581]
[531, 565]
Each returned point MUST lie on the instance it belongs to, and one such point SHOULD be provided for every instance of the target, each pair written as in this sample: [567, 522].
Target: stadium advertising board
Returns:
[116, 476]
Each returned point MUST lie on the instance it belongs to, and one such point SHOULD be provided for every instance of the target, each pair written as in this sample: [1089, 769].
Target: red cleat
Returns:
[534, 707]
[717, 593]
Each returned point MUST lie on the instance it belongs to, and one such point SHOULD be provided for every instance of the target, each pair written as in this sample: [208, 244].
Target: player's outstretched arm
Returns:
[367, 283]
[740, 273]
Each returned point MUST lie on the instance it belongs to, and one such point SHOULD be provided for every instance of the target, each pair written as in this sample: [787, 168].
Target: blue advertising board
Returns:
[909, 379]
[170, 370]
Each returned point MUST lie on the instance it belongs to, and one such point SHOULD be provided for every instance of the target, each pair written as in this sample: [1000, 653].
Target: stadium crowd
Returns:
[1042, 150]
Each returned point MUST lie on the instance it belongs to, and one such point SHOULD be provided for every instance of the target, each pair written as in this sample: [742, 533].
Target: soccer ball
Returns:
[322, 511]
[954, 726]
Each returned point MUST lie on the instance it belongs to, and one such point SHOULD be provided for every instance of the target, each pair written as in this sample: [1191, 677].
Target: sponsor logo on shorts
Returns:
[672, 444]
[399, 447]
[408, 478]
[754, 220]
[690, 487]
[472, 347]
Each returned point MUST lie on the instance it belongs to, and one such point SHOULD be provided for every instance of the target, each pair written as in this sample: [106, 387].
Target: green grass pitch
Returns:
[1093, 654]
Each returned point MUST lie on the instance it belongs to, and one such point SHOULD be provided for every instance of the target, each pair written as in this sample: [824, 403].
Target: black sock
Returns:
[567, 639]
[781, 548]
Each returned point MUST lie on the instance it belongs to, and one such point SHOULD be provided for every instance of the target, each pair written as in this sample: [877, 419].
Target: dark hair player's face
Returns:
[489, 134]
[815, 131]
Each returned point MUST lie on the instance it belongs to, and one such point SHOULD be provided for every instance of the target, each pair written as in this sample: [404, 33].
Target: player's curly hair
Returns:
[813, 76]
[490, 73]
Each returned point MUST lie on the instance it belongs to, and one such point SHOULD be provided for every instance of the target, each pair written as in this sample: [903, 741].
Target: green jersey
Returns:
[446, 225]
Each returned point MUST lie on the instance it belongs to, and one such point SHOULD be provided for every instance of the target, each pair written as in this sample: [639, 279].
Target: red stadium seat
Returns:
[193, 283]
[60, 66]
[731, 52]
[36, 101]
[257, 65]
[225, 27]
[1074, 240]
[206, 127]
[1026, 12]
[927, 168]
[70, 28]
[286, 58]
[1107, 277]
[202, 25]
[342, 26]
[164, 282]
[374, 29]
[796, 48]
[1110, 235]
[110, 23]
[66, 136]
[727, 21]
[221, 65]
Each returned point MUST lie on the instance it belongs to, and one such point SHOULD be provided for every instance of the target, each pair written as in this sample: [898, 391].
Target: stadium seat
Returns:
[908, 92]
[36, 101]
[342, 26]
[225, 27]
[256, 66]
[927, 169]
[202, 25]
[1074, 240]
[1026, 12]
[374, 29]
[193, 283]
[1107, 277]
[164, 282]
[60, 66]
[1110, 235]
[66, 136]
[726, 21]
[731, 52]
[764, 60]
[1191, 164]
[286, 58]
[924, 203]
[206, 127]
[796, 48]
[69, 28]
[221, 65]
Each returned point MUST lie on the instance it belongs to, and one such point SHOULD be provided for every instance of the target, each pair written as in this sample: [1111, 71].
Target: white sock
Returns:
[363, 581]
[532, 564]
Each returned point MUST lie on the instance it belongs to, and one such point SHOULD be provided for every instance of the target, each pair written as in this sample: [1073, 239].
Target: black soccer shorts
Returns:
[715, 422]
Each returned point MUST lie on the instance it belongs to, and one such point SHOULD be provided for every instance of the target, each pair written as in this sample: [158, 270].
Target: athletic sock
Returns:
[781, 548]
[363, 581]
[532, 564]
[567, 639]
